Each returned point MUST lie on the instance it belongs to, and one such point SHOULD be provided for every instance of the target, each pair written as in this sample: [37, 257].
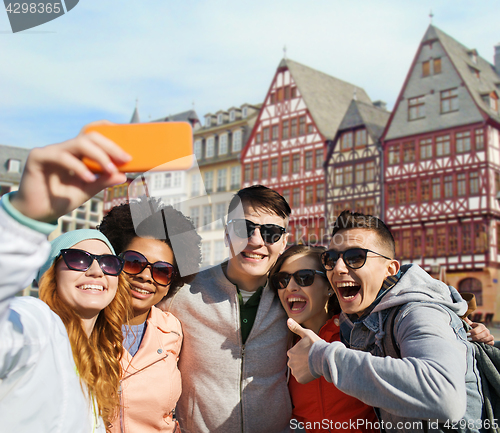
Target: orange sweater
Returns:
[322, 407]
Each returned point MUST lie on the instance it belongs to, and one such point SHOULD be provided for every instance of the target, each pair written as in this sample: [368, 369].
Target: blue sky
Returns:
[93, 62]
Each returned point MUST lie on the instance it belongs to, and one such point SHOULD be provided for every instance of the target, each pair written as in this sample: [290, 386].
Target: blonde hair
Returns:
[97, 357]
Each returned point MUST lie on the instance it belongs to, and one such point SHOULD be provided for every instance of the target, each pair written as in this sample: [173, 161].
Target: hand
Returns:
[479, 333]
[55, 180]
[298, 355]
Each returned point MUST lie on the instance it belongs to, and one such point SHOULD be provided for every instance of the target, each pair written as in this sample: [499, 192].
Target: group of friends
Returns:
[122, 340]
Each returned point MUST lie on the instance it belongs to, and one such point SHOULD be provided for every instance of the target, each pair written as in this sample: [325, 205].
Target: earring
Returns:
[330, 293]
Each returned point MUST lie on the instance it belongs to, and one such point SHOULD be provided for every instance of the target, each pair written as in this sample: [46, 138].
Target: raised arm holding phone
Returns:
[42, 388]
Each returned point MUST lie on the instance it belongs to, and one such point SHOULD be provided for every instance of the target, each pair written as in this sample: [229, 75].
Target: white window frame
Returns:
[198, 149]
[223, 140]
[208, 180]
[237, 140]
[195, 185]
[222, 179]
[236, 176]
[210, 150]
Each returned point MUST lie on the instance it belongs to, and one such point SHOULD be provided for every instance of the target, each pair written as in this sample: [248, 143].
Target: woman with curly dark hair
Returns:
[161, 252]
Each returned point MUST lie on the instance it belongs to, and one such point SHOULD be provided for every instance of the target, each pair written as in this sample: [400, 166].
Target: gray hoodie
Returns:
[228, 386]
[436, 377]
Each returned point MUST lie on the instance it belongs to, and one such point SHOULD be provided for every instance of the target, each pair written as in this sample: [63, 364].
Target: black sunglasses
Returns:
[271, 233]
[161, 272]
[303, 277]
[80, 260]
[354, 258]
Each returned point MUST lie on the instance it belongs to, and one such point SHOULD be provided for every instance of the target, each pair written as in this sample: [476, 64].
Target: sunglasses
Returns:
[271, 233]
[354, 258]
[161, 272]
[303, 277]
[80, 260]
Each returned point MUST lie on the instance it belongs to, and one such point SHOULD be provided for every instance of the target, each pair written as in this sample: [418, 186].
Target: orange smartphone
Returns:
[158, 146]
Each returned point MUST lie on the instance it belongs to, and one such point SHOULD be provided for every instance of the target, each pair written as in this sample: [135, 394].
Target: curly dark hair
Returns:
[160, 222]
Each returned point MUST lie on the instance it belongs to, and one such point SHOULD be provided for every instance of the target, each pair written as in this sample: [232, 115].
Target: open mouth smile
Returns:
[347, 290]
[296, 304]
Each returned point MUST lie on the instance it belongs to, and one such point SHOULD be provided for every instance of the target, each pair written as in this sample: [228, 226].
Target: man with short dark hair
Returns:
[405, 351]
[233, 361]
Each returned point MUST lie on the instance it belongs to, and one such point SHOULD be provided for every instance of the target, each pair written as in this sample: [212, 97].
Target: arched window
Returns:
[474, 286]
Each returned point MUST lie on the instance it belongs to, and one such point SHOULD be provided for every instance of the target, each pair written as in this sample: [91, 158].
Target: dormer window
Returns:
[492, 100]
[220, 119]
[473, 56]
[244, 112]
[208, 121]
[232, 116]
[14, 166]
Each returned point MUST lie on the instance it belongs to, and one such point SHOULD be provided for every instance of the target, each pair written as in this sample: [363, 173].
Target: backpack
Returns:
[488, 364]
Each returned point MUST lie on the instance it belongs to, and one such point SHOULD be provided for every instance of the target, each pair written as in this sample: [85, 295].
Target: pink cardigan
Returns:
[151, 382]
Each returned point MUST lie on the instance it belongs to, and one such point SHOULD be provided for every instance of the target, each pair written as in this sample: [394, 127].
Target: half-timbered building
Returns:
[299, 117]
[442, 167]
[354, 161]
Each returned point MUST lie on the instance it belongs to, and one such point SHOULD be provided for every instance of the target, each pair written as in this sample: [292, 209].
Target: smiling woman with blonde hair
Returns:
[93, 304]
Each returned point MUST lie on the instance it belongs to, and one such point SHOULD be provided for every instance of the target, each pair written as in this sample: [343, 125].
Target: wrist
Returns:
[15, 210]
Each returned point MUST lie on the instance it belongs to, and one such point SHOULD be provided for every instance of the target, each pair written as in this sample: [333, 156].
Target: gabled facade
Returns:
[442, 167]
[354, 162]
[300, 116]
[217, 176]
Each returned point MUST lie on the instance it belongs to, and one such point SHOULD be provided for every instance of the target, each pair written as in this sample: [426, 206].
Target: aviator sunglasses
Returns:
[80, 260]
[354, 258]
[303, 277]
[161, 272]
[271, 233]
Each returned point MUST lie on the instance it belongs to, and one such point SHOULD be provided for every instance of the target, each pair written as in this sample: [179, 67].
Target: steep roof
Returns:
[11, 152]
[326, 97]
[185, 116]
[135, 116]
[360, 113]
[488, 80]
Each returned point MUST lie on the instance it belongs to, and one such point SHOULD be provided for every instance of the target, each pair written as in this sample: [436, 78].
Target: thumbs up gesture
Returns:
[298, 355]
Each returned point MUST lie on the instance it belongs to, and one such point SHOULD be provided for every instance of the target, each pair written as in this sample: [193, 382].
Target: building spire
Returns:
[284, 52]
[354, 94]
[431, 15]
[135, 115]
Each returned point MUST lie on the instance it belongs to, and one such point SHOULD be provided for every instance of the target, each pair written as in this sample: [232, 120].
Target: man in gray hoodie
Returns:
[403, 350]
[233, 359]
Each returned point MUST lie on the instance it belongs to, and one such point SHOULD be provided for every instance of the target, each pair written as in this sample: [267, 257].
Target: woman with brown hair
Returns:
[307, 296]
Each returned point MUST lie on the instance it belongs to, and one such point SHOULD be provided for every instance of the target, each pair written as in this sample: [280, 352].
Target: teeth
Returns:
[92, 287]
[293, 307]
[253, 256]
[144, 292]
[346, 284]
